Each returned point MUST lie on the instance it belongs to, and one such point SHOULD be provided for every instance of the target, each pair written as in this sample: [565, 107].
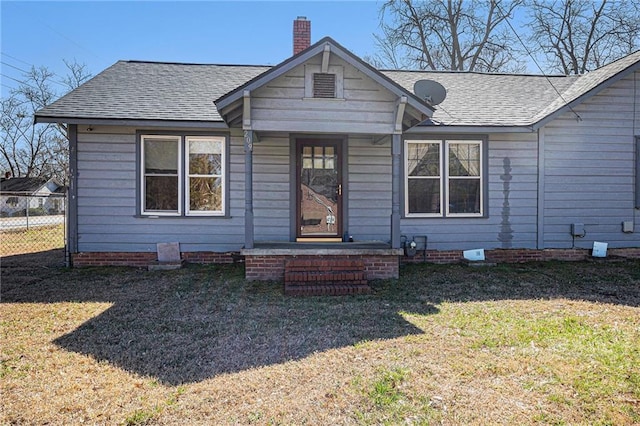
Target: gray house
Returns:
[325, 157]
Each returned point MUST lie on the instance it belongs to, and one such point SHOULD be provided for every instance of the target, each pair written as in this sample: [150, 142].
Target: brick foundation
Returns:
[520, 255]
[271, 267]
[143, 259]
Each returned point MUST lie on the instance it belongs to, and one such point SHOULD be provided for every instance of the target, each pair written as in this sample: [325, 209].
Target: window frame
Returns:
[637, 173]
[188, 176]
[183, 174]
[444, 142]
[143, 175]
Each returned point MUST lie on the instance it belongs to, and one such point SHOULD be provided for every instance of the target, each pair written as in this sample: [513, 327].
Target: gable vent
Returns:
[324, 85]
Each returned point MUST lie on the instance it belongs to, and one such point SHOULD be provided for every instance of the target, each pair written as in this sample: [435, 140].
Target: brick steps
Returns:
[322, 276]
[326, 290]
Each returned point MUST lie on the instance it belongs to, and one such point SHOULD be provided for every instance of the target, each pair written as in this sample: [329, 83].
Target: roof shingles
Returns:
[131, 90]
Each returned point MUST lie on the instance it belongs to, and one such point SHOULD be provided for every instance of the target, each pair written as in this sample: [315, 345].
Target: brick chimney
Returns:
[301, 34]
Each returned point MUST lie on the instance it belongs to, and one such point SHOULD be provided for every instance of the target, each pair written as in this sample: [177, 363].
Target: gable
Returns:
[288, 98]
[348, 102]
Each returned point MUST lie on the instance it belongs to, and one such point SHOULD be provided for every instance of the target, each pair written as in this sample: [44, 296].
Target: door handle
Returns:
[339, 189]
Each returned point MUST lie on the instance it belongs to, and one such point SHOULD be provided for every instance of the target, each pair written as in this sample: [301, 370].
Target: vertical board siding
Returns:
[107, 174]
[511, 219]
[369, 190]
[590, 168]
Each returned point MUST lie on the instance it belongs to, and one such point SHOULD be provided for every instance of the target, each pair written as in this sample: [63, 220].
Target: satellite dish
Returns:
[430, 91]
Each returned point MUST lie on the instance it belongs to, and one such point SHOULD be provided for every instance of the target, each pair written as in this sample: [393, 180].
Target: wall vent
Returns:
[324, 85]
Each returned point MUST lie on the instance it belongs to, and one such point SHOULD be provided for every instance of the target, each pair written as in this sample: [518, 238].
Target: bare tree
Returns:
[462, 35]
[36, 150]
[577, 36]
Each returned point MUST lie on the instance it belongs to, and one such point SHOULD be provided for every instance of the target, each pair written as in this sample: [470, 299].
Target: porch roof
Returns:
[232, 101]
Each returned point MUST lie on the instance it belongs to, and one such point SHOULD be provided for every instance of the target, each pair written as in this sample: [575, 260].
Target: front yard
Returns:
[547, 343]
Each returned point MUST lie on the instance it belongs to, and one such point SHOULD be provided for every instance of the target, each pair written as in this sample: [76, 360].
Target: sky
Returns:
[99, 33]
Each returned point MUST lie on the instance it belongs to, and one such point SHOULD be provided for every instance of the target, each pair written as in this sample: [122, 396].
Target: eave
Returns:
[132, 122]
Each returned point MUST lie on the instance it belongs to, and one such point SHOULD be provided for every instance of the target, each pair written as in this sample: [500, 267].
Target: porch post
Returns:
[248, 189]
[395, 189]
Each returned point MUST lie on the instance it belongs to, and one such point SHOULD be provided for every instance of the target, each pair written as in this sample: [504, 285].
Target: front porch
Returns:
[322, 268]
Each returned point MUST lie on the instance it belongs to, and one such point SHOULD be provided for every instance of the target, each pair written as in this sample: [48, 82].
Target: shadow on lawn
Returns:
[193, 324]
[202, 321]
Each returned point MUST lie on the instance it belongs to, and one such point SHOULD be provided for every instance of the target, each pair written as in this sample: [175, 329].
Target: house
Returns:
[42, 196]
[297, 160]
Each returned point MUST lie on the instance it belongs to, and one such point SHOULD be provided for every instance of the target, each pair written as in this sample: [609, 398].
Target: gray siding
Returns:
[369, 189]
[107, 221]
[511, 220]
[271, 197]
[281, 105]
[590, 169]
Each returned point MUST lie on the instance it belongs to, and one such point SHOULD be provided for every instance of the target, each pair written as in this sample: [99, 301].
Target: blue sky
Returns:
[232, 32]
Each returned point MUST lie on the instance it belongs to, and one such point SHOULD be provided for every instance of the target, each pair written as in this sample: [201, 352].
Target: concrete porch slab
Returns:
[286, 248]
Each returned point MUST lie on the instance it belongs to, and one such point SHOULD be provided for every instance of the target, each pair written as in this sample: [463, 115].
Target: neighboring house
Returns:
[42, 196]
[290, 160]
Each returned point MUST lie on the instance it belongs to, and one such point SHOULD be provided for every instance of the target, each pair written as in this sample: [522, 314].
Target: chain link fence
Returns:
[31, 223]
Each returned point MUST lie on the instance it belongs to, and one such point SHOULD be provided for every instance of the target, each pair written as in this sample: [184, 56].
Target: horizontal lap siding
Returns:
[107, 174]
[511, 221]
[280, 105]
[590, 169]
[271, 198]
[369, 189]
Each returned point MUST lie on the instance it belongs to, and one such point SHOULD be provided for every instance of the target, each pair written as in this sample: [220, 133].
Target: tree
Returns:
[577, 36]
[36, 150]
[461, 35]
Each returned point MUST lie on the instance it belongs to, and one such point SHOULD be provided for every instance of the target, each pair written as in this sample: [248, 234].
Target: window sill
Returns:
[470, 216]
[324, 99]
[151, 216]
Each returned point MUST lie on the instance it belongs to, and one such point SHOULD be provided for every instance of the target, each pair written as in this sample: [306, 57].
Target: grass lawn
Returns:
[540, 343]
[34, 239]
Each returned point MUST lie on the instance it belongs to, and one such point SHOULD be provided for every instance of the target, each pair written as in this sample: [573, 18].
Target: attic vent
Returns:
[324, 85]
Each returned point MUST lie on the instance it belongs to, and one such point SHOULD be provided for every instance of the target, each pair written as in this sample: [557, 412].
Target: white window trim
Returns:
[447, 177]
[222, 175]
[143, 192]
[444, 177]
[407, 177]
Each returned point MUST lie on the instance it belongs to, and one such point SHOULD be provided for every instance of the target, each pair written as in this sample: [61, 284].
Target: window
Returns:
[443, 178]
[205, 175]
[637, 172]
[177, 165]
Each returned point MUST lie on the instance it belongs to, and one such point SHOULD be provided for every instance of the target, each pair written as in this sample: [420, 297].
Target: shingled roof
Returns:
[133, 90]
[21, 185]
[184, 93]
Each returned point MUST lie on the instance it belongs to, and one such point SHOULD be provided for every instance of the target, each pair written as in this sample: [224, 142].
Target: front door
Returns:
[319, 190]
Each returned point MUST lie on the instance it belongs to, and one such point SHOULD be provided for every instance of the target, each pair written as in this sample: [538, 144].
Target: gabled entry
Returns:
[319, 215]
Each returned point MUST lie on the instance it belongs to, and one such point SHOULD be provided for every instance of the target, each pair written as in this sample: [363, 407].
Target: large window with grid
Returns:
[182, 175]
[444, 178]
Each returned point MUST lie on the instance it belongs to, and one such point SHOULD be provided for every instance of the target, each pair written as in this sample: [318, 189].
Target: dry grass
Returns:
[526, 344]
[32, 240]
